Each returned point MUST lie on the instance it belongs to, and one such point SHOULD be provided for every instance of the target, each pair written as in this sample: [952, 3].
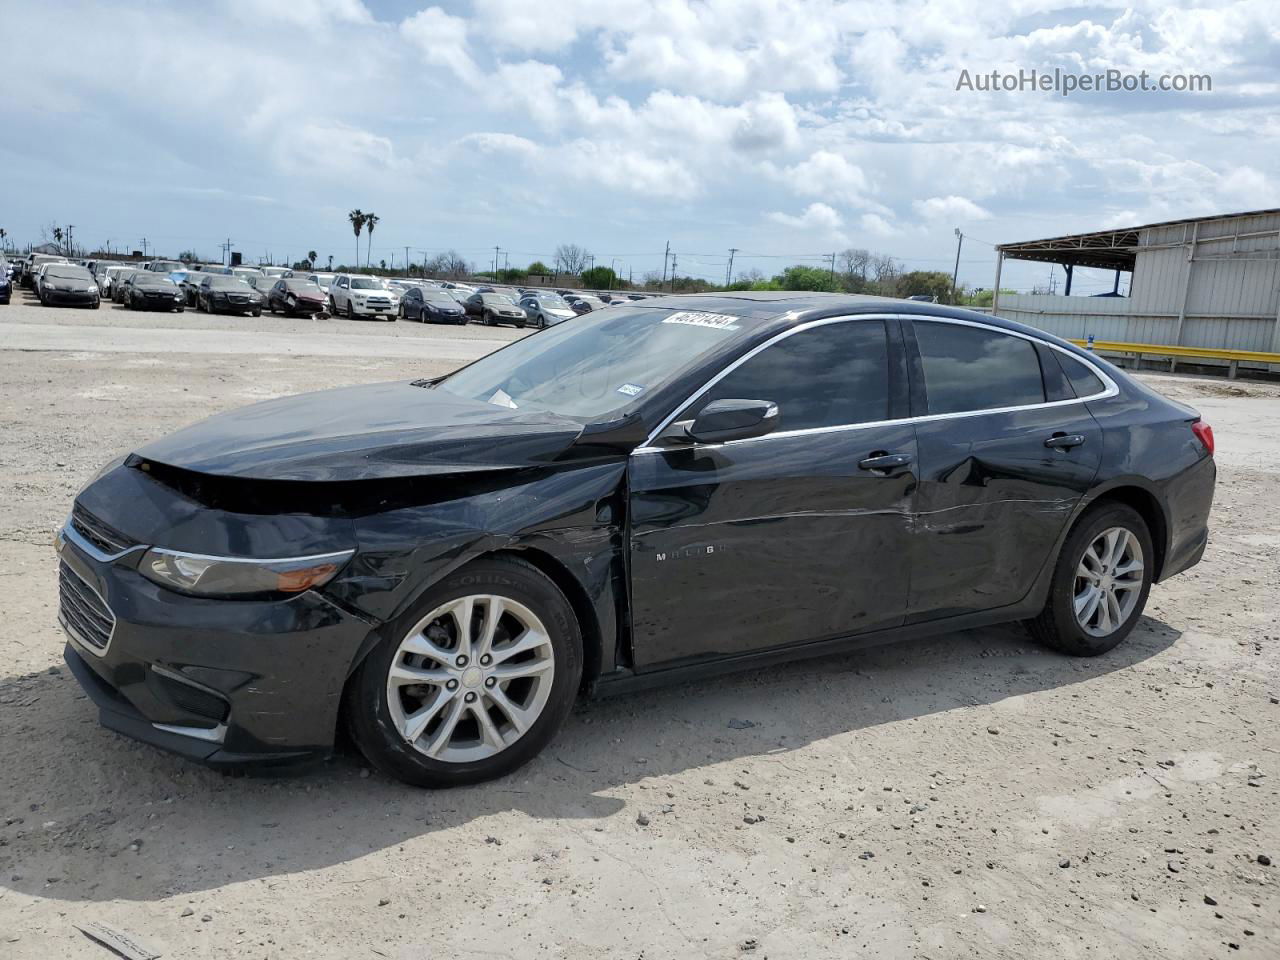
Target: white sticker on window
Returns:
[696, 318]
[631, 389]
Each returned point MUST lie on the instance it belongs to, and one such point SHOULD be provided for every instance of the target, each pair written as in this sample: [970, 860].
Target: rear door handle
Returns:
[1065, 441]
[885, 463]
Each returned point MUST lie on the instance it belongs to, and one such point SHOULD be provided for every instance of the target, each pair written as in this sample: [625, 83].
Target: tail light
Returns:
[1204, 433]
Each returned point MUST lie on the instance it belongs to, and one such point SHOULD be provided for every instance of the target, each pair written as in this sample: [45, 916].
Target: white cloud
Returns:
[442, 41]
[951, 208]
[817, 219]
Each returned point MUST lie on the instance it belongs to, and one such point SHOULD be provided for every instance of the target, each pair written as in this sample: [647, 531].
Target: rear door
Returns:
[790, 537]
[1006, 452]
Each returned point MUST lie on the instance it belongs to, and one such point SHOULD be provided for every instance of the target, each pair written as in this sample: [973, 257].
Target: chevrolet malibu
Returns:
[650, 493]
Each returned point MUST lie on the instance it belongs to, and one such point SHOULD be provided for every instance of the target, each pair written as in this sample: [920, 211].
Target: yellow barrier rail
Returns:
[1233, 357]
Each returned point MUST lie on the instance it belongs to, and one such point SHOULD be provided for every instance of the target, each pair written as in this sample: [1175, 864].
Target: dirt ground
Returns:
[969, 795]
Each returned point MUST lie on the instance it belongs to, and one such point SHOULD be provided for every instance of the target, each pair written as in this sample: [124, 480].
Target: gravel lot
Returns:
[968, 795]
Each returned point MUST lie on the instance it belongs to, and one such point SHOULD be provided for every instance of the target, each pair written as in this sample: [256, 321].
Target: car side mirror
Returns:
[732, 419]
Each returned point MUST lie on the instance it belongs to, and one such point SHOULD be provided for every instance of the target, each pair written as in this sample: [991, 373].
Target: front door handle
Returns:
[885, 463]
[1065, 441]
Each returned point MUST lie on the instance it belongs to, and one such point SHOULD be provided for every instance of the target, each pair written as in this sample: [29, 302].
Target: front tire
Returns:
[473, 681]
[1100, 583]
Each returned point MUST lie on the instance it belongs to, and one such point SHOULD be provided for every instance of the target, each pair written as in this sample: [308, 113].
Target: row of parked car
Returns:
[214, 288]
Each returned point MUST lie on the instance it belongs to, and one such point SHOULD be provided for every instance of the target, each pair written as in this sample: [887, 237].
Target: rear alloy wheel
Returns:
[1100, 583]
[473, 682]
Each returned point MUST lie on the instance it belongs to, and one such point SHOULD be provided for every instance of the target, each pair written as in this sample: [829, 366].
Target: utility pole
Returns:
[728, 274]
[71, 244]
[833, 269]
[144, 248]
[495, 259]
[665, 254]
[955, 274]
[673, 273]
[406, 261]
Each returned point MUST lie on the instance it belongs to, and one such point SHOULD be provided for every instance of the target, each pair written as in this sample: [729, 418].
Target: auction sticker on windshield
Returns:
[696, 318]
[631, 389]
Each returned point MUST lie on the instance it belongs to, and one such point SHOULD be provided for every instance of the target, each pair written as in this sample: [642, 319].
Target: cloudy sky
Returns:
[785, 129]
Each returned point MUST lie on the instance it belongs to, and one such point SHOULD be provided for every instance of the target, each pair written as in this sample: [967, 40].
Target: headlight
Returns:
[237, 577]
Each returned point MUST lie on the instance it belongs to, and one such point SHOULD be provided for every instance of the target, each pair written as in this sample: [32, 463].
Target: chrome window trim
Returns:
[1110, 388]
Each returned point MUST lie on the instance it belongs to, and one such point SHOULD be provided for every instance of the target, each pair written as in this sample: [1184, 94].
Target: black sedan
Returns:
[431, 305]
[296, 296]
[120, 285]
[146, 290]
[494, 308]
[645, 494]
[226, 294]
[584, 303]
[69, 285]
[6, 281]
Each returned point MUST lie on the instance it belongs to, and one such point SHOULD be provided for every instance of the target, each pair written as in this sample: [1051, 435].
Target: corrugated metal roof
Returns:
[1108, 249]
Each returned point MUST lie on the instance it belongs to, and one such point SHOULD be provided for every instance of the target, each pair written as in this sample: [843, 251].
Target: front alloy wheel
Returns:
[473, 681]
[471, 678]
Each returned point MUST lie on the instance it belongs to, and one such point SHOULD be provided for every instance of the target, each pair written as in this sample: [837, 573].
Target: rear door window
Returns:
[973, 368]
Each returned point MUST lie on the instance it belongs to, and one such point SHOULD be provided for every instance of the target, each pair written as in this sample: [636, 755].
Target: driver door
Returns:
[795, 536]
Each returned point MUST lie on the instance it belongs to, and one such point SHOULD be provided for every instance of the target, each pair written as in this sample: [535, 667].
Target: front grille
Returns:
[103, 537]
[82, 610]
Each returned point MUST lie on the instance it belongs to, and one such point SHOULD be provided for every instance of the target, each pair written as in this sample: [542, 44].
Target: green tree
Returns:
[311, 258]
[357, 219]
[539, 267]
[929, 283]
[370, 221]
[600, 278]
[188, 256]
[804, 278]
[512, 275]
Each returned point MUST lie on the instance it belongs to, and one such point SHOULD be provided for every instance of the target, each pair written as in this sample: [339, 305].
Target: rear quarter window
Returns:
[1084, 381]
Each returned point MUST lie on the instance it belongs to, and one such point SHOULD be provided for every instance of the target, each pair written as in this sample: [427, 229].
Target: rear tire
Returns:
[377, 724]
[1076, 577]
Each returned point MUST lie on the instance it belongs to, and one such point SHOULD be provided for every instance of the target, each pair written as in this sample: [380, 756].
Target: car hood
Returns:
[378, 430]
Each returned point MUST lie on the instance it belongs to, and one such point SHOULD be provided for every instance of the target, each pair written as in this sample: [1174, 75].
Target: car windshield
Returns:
[436, 296]
[365, 283]
[501, 298]
[228, 283]
[596, 364]
[68, 272]
[552, 300]
[300, 286]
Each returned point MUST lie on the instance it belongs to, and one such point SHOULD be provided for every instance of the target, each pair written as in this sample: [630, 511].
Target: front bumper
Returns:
[387, 309]
[70, 298]
[229, 683]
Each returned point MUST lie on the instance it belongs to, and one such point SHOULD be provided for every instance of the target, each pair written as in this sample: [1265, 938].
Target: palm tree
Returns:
[311, 259]
[371, 219]
[357, 218]
[3, 244]
[57, 236]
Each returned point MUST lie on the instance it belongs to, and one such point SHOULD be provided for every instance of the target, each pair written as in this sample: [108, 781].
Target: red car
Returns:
[296, 296]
